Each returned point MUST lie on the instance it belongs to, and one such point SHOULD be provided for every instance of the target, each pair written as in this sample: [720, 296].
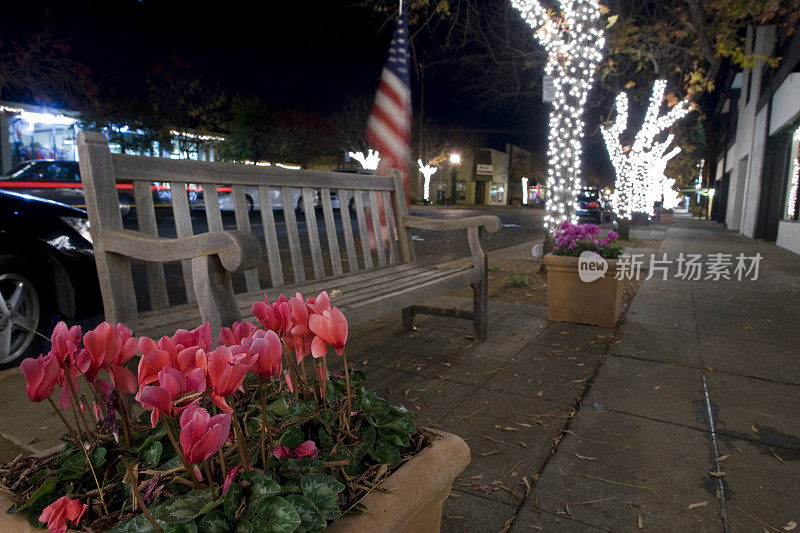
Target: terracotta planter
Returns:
[410, 500]
[569, 299]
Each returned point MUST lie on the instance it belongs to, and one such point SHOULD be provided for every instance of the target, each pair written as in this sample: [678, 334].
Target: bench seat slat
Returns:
[155, 324]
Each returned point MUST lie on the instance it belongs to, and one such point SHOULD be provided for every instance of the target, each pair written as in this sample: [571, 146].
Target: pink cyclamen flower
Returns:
[65, 342]
[226, 372]
[235, 334]
[57, 513]
[199, 337]
[164, 398]
[330, 328]
[202, 435]
[111, 347]
[41, 375]
[306, 449]
[267, 349]
[274, 316]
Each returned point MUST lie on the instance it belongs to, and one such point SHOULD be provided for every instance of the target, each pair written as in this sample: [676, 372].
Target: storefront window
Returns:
[41, 136]
[792, 211]
[461, 190]
[496, 193]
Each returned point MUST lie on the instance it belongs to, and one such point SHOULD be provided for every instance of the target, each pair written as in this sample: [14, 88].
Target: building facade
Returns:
[757, 166]
[33, 132]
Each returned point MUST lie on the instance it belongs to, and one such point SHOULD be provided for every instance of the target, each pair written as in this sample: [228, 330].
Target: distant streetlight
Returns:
[455, 161]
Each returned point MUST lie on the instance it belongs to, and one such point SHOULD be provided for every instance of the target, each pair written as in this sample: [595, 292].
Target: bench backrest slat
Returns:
[377, 229]
[390, 226]
[313, 233]
[154, 270]
[242, 216]
[363, 237]
[295, 252]
[330, 232]
[270, 236]
[211, 201]
[401, 211]
[183, 228]
[347, 229]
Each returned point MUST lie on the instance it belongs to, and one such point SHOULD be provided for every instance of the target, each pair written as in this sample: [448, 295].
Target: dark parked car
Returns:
[46, 267]
[590, 206]
[59, 181]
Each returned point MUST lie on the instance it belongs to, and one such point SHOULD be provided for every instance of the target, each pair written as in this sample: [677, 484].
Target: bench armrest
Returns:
[237, 250]
[491, 222]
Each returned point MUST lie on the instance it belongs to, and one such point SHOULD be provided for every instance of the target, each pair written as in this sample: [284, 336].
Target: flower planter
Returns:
[409, 500]
[569, 299]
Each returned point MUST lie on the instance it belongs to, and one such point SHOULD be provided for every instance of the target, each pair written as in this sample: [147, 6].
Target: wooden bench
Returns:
[362, 282]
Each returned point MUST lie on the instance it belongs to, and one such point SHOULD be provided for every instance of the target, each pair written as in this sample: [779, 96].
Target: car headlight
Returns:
[81, 225]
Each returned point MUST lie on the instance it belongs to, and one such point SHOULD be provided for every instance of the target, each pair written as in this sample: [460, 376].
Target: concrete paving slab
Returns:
[538, 372]
[510, 437]
[466, 512]
[655, 343]
[662, 315]
[748, 328]
[659, 391]
[756, 409]
[613, 469]
[762, 489]
[539, 520]
[567, 336]
[681, 299]
[752, 358]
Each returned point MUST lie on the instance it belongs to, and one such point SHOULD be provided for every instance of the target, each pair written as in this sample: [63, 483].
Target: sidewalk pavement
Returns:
[684, 418]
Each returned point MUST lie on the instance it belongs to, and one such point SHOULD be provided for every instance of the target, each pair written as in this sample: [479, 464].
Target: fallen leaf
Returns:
[493, 452]
[579, 456]
[717, 474]
[698, 504]
[778, 457]
[790, 526]
[640, 522]
[753, 428]
[541, 392]
[657, 387]
[724, 457]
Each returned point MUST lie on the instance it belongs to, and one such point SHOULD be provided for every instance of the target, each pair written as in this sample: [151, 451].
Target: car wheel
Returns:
[25, 308]
[125, 205]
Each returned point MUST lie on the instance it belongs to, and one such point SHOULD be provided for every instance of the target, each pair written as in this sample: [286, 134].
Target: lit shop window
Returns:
[461, 190]
[496, 193]
[793, 183]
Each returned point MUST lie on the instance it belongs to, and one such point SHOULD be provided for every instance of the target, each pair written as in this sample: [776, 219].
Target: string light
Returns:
[640, 168]
[370, 162]
[427, 171]
[199, 137]
[573, 39]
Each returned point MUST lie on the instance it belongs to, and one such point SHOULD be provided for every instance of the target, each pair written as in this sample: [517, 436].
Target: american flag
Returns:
[389, 124]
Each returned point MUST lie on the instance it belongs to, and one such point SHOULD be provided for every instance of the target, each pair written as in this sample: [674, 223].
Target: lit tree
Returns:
[573, 39]
[427, 171]
[370, 161]
[640, 167]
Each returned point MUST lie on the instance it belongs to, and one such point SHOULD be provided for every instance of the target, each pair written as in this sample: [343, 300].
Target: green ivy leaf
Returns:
[260, 485]
[214, 522]
[398, 438]
[38, 505]
[232, 499]
[298, 409]
[184, 507]
[386, 452]
[210, 506]
[155, 435]
[244, 526]
[291, 437]
[150, 454]
[175, 462]
[310, 517]
[47, 487]
[98, 457]
[322, 491]
[137, 524]
[278, 407]
[325, 440]
[186, 527]
[276, 515]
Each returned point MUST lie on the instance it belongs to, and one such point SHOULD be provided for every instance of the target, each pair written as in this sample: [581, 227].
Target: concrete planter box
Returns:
[410, 500]
[598, 303]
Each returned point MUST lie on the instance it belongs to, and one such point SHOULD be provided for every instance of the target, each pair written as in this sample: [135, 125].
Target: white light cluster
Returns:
[640, 168]
[370, 162]
[197, 136]
[573, 39]
[525, 191]
[427, 171]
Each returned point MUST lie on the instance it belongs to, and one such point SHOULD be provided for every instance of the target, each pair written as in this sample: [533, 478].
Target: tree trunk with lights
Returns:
[573, 38]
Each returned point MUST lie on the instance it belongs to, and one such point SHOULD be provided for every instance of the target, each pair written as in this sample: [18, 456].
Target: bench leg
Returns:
[480, 315]
[408, 319]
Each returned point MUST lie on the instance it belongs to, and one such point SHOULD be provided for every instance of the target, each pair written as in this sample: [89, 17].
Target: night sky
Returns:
[307, 55]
